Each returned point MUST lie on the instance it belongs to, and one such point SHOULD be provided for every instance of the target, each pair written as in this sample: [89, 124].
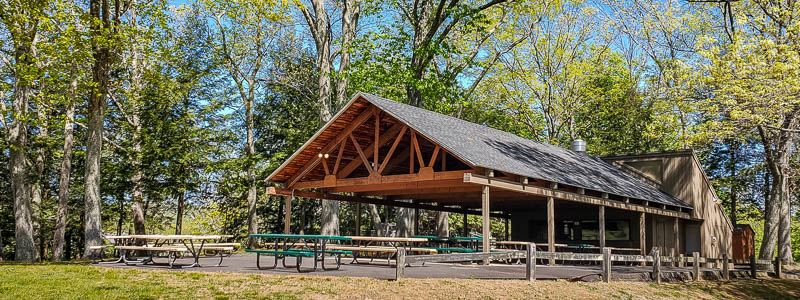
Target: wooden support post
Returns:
[287, 217]
[677, 237]
[657, 265]
[358, 219]
[778, 267]
[486, 233]
[672, 263]
[601, 224]
[725, 271]
[696, 266]
[551, 224]
[642, 235]
[400, 264]
[507, 237]
[680, 260]
[530, 262]
[466, 225]
[753, 268]
[606, 264]
[416, 221]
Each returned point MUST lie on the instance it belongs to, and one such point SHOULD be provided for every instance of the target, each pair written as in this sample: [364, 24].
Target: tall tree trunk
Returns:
[137, 192]
[372, 209]
[320, 30]
[99, 11]
[63, 181]
[443, 224]
[777, 221]
[37, 190]
[18, 139]
[734, 147]
[405, 221]
[179, 214]
[252, 218]
[350, 13]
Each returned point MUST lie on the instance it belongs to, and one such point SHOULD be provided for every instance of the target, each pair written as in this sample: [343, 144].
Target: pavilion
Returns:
[384, 152]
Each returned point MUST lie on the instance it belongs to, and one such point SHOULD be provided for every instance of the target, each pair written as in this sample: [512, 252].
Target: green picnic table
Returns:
[299, 246]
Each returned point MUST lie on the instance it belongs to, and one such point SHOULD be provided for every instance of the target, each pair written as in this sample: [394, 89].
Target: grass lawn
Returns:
[78, 281]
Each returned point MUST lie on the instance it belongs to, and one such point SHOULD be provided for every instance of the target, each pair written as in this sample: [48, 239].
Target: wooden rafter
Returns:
[325, 165]
[385, 137]
[391, 150]
[339, 156]
[361, 154]
[376, 143]
[339, 138]
[415, 142]
[433, 158]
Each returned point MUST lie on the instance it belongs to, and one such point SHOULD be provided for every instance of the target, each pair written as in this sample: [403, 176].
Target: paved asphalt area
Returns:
[246, 263]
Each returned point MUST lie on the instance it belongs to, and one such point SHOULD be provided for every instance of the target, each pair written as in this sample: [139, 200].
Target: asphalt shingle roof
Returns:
[494, 149]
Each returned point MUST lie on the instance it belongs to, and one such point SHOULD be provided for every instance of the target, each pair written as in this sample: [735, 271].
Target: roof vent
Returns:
[578, 145]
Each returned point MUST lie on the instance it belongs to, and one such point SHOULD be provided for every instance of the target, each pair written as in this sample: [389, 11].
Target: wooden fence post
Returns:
[696, 266]
[530, 262]
[400, 268]
[657, 265]
[725, 271]
[606, 264]
[778, 268]
[681, 263]
[753, 268]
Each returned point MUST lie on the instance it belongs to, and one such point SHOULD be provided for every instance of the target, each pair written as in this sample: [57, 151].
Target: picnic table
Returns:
[299, 246]
[386, 245]
[174, 245]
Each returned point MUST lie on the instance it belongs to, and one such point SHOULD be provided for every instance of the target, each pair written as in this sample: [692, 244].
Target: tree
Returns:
[753, 80]
[319, 25]
[22, 21]
[102, 31]
[245, 32]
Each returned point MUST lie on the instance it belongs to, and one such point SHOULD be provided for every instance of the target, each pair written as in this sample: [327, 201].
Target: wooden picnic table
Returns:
[161, 242]
[375, 243]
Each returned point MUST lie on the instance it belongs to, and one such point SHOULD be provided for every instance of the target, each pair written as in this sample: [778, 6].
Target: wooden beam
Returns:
[339, 156]
[325, 165]
[399, 185]
[339, 138]
[385, 138]
[391, 150]
[276, 191]
[415, 141]
[564, 195]
[444, 160]
[361, 154]
[458, 175]
[433, 158]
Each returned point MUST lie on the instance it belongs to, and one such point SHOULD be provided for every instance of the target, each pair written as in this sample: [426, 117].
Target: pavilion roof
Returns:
[485, 147]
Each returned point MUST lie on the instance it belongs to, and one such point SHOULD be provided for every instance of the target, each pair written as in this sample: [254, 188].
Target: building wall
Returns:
[682, 177]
